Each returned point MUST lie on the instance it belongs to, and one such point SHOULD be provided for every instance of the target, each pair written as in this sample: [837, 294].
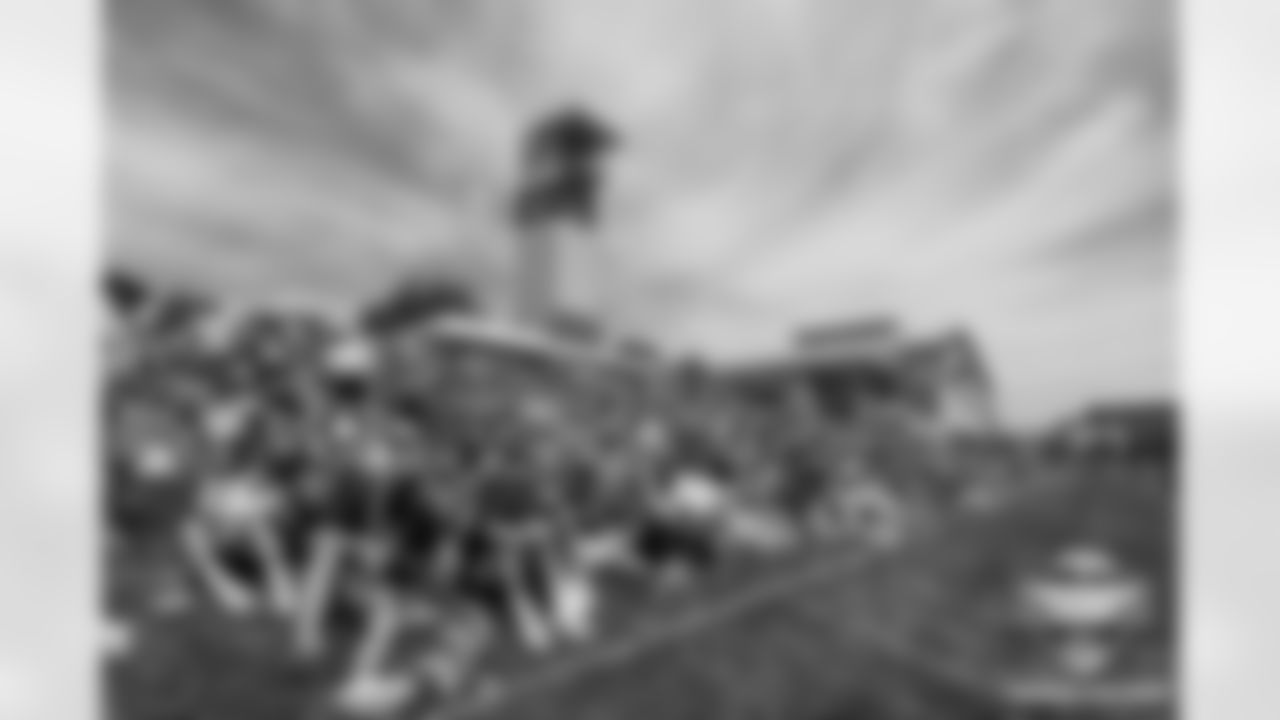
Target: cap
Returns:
[1088, 562]
[219, 330]
[238, 501]
[351, 355]
[156, 461]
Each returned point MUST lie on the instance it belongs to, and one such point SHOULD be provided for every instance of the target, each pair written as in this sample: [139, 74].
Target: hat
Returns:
[156, 461]
[237, 501]
[219, 330]
[225, 421]
[351, 355]
[1088, 562]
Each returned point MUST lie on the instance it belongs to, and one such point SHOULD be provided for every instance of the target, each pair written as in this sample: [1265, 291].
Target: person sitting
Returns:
[674, 550]
[233, 542]
[383, 566]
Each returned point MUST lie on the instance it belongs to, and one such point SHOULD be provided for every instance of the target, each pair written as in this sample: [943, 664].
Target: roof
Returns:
[1157, 412]
[873, 342]
[855, 336]
[513, 338]
[950, 358]
[870, 357]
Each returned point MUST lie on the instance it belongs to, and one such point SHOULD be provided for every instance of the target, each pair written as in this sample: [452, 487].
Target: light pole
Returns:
[557, 205]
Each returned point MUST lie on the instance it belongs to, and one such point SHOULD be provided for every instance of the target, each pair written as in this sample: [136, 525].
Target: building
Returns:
[839, 372]
[954, 381]
[555, 215]
[1141, 431]
[940, 383]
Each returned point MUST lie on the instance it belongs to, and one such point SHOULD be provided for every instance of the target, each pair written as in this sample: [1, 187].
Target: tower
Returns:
[556, 210]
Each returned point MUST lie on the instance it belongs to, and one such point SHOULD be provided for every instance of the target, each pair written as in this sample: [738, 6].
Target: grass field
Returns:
[836, 636]
[911, 637]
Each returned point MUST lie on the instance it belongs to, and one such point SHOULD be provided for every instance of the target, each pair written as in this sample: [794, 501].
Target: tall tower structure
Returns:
[557, 210]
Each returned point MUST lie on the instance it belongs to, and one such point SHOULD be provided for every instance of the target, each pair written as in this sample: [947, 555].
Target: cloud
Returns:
[997, 163]
[268, 148]
[1013, 170]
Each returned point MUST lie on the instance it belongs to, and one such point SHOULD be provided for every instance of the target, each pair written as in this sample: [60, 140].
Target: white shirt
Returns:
[351, 355]
[237, 503]
[697, 495]
[157, 462]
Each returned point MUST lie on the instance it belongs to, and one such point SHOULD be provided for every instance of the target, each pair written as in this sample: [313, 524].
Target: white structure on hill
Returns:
[559, 257]
[941, 382]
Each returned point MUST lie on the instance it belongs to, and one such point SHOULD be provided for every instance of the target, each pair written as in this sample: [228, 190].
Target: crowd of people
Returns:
[418, 502]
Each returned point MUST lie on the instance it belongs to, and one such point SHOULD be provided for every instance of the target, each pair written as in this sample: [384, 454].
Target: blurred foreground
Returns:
[311, 518]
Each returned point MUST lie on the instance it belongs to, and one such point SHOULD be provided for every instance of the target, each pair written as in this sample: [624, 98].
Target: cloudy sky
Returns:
[1004, 164]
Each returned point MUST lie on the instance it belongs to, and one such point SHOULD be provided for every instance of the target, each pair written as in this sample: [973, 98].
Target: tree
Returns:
[418, 303]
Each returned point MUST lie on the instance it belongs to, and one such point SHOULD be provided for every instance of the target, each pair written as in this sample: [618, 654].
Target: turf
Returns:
[832, 636]
[913, 637]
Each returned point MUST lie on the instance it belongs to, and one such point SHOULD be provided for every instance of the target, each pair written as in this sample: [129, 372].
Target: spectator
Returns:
[476, 497]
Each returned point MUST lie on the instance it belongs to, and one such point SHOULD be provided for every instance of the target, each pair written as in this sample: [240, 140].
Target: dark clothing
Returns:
[664, 542]
[418, 533]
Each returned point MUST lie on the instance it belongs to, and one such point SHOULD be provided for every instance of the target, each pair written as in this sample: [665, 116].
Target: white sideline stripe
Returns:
[749, 599]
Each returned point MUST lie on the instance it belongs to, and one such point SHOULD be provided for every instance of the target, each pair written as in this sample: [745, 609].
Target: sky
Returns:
[49, 242]
[1002, 165]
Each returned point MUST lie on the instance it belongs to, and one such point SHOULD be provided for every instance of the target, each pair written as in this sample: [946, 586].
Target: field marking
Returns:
[637, 645]
[827, 569]
[813, 575]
